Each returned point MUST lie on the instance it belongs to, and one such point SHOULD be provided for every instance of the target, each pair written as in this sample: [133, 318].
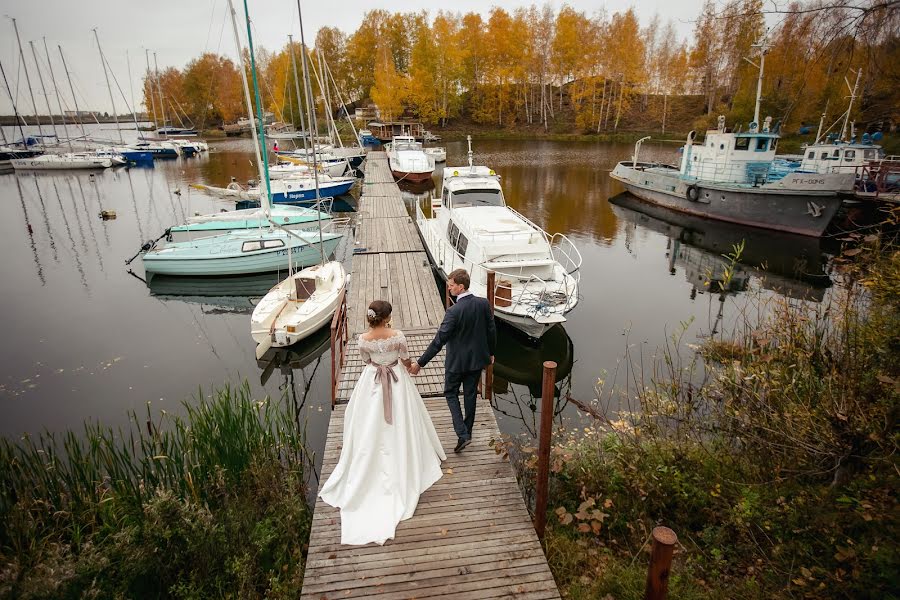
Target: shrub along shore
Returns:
[778, 472]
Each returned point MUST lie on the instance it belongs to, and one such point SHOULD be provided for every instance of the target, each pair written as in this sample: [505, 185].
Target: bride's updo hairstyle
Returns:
[379, 312]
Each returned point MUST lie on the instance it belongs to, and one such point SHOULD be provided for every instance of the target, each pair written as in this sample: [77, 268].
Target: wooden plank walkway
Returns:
[471, 536]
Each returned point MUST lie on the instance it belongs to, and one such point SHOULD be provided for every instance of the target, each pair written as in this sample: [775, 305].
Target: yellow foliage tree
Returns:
[390, 89]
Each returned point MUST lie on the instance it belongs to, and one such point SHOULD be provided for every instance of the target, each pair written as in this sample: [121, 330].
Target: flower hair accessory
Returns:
[371, 314]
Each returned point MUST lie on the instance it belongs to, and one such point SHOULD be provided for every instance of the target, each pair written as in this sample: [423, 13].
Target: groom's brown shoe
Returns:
[460, 444]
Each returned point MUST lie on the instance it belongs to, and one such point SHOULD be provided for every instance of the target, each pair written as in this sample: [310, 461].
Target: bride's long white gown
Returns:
[383, 467]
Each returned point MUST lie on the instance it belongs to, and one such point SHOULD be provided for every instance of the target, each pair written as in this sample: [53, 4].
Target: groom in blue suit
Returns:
[470, 335]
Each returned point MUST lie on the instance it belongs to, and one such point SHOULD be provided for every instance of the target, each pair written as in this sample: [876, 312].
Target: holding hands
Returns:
[413, 368]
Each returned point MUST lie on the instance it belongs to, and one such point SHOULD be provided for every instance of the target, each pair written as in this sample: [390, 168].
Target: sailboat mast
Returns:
[850, 106]
[72, 89]
[133, 106]
[311, 111]
[162, 103]
[28, 80]
[265, 199]
[44, 89]
[15, 109]
[299, 98]
[62, 113]
[259, 109]
[326, 95]
[108, 88]
[343, 105]
[152, 106]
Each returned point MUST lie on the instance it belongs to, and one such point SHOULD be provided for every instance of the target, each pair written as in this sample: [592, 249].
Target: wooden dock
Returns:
[471, 536]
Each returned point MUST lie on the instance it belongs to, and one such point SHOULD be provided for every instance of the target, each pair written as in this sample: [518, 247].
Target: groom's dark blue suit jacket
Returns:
[469, 333]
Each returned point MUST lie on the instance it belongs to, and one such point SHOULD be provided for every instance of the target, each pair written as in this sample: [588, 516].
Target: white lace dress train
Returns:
[383, 467]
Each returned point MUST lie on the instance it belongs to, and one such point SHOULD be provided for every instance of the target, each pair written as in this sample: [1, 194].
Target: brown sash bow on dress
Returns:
[384, 374]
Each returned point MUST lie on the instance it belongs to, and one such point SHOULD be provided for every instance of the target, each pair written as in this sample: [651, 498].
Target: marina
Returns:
[210, 239]
[56, 239]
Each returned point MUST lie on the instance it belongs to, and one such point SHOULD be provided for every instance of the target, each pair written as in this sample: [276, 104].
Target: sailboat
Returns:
[305, 301]
[245, 251]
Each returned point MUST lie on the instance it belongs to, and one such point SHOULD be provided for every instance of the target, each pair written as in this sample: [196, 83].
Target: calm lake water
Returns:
[86, 338]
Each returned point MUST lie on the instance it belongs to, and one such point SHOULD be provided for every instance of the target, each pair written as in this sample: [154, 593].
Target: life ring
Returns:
[692, 193]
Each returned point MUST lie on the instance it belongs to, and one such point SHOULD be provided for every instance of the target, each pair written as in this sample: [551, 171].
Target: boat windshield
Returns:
[463, 198]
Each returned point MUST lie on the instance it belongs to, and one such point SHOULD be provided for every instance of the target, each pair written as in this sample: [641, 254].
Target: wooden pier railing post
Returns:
[339, 338]
[489, 371]
[543, 476]
[664, 540]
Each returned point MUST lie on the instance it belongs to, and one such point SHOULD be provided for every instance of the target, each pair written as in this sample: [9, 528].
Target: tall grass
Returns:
[70, 499]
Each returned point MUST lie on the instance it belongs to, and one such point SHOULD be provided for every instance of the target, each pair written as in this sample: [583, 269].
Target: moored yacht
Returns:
[729, 177]
[471, 227]
[408, 161]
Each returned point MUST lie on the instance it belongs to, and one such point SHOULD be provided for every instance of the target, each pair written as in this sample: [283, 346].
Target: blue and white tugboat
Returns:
[730, 176]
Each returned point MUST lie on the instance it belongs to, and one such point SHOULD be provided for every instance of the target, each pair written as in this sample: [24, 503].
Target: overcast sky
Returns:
[178, 31]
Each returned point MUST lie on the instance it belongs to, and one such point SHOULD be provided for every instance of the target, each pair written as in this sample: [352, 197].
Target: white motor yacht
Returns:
[471, 227]
[408, 161]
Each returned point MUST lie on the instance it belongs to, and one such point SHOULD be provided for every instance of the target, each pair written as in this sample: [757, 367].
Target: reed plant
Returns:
[771, 451]
[191, 504]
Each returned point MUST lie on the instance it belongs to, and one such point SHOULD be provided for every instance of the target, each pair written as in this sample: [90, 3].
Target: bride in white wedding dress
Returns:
[391, 452]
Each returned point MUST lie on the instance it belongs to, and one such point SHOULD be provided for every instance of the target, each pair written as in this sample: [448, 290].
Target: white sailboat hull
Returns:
[50, 162]
[281, 319]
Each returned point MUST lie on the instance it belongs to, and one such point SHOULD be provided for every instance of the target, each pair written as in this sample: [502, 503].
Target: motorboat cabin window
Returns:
[462, 245]
[452, 233]
[849, 155]
[251, 246]
[837, 153]
[273, 243]
[870, 154]
[742, 143]
[774, 144]
[762, 144]
[477, 198]
[445, 197]
[811, 154]
[824, 156]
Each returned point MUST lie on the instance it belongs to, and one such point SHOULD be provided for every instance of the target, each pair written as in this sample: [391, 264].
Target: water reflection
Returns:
[792, 265]
[300, 366]
[419, 189]
[519, 371]
[237, 295]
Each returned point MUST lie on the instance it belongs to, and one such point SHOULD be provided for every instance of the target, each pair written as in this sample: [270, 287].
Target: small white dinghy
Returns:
[298, 306]
[438, 153]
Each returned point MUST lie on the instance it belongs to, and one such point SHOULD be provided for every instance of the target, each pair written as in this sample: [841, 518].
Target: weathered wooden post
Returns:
[489, 371]
[664, 540]
[543, 476]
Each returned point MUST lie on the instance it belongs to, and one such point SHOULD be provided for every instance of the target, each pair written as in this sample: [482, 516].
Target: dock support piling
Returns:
[543, 475]
[664, 540]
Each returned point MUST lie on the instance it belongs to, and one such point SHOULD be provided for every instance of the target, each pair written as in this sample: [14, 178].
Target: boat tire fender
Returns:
[692, 193]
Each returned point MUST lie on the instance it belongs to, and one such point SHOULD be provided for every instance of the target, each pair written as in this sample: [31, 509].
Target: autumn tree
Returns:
[474, 53]
[390, 89]
[212, 90]
[626, 50]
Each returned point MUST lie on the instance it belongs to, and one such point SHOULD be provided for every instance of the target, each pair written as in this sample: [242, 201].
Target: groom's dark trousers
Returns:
[470, 335]
[469, 382]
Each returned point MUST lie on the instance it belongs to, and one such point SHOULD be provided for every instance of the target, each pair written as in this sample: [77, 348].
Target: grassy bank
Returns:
[211, 504]
[778, 472]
